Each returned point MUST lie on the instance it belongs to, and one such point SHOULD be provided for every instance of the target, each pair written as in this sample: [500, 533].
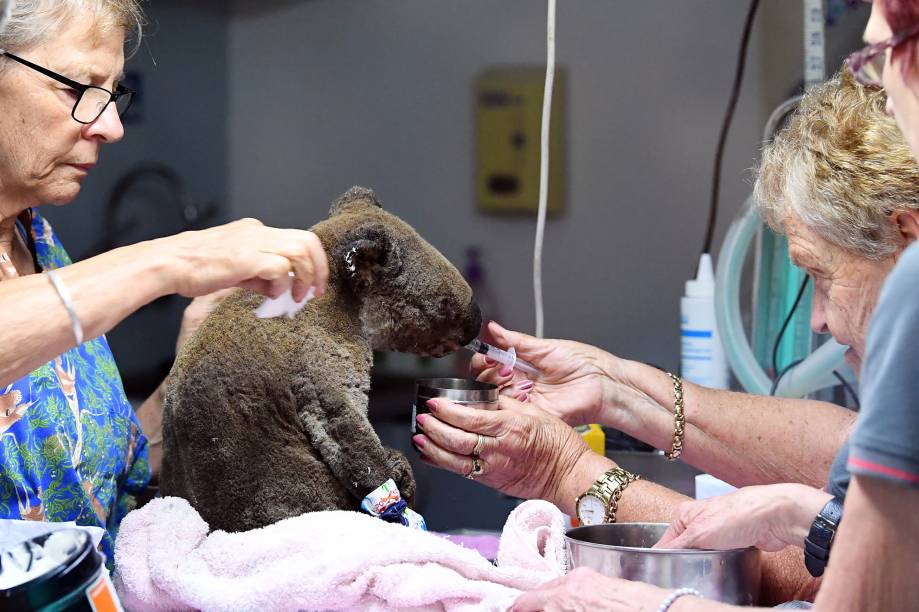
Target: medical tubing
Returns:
[791, 313]
[813, 374]
[776, 120]
[785, 370]
[726, 126]
[848, 388]
[544, 169]
[737, 349]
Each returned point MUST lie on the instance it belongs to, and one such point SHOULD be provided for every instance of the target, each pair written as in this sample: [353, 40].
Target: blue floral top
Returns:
[71, 447]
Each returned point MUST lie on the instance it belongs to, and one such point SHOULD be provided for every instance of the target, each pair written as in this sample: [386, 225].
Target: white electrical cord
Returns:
[544, 168]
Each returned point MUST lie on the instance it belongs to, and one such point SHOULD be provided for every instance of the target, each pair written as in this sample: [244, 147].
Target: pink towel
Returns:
[534, 539]
[167, 560]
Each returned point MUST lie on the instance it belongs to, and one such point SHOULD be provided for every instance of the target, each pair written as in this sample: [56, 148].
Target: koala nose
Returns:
[473, 323]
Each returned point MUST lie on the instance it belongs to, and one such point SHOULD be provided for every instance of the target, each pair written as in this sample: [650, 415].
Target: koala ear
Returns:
[369, 257]
[355, 198]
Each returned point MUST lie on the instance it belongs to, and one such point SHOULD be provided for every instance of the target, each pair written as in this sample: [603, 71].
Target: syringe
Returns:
[508, 357]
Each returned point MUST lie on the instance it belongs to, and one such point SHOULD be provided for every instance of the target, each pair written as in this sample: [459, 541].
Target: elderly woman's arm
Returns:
[875, 560]
[768, 517]
[531, 454]
[107, 288]
[741, 438]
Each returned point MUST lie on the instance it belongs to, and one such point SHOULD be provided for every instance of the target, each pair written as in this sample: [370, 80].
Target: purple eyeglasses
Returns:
[867, 64]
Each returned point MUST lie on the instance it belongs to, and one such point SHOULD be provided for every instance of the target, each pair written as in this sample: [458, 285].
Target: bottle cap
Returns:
[704, 283]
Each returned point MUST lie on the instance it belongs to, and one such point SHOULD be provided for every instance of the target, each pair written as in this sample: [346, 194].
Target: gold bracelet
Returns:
[679, 421]
[624, 478]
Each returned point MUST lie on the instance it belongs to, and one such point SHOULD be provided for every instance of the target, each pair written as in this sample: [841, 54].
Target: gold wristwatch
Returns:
[599, 503]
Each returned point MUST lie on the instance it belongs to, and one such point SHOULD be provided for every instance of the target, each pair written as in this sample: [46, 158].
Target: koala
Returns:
[264, 419]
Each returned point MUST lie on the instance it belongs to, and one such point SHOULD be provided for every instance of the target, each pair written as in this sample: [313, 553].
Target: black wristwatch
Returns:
[818, 542]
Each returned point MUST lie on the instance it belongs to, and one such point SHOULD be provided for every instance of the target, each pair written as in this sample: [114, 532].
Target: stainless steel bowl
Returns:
[466, 391]
[457, 390]
[623, 550]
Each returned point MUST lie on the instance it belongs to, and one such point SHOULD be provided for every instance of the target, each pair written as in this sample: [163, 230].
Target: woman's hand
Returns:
[245, 254]
[525, 452]
[574, 375]
[585, 589]
[768, 517]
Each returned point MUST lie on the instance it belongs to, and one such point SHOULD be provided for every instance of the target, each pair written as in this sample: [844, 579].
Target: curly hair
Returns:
[34, 22]
[842, 167]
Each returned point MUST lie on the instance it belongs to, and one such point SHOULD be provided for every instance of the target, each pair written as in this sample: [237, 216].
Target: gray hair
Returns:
[842, 167]
[34, 22]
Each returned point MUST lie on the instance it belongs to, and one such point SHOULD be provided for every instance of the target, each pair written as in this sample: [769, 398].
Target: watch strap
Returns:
[819, 540]
[609, 488]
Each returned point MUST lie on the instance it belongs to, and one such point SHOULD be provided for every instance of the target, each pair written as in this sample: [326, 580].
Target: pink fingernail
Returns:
[420, 420]
[525, 385]
[419, 441]
[506, 371]
[489, 361]
[431, 404]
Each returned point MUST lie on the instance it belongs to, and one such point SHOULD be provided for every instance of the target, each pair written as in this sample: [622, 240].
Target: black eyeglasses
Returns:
[867, 64]
[91, 100]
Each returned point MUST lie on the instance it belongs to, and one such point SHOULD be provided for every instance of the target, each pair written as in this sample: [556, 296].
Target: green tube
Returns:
[727, 301]
[814, 373]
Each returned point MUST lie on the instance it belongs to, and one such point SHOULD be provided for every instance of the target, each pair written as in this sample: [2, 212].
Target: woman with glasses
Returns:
[875, 559]
[71, 446]
[875, 555]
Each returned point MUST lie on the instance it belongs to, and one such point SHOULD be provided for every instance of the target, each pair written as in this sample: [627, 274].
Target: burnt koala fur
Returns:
[265, 419]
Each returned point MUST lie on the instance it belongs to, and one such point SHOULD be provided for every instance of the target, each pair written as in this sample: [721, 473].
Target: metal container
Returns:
[464, 391]
[623, 550]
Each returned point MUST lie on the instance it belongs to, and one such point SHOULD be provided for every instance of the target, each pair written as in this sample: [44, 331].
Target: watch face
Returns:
[591, 510]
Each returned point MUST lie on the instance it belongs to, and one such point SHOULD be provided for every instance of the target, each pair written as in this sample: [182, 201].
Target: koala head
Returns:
[410, 298]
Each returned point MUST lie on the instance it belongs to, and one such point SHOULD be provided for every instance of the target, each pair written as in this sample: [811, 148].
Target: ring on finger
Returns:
[479, 445]
[477, 468]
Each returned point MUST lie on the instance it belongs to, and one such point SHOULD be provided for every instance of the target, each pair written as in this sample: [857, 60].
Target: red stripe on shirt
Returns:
[883, 469]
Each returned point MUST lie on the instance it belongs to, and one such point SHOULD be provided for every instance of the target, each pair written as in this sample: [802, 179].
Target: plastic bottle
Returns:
[701, 352]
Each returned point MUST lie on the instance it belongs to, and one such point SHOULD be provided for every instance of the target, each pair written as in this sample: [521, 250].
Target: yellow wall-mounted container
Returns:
[509, 124]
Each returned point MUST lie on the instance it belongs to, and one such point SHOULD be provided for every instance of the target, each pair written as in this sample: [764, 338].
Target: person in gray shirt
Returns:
[875, 560]
[885, 443]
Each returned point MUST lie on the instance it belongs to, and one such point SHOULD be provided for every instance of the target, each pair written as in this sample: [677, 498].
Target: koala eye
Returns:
[443, 306]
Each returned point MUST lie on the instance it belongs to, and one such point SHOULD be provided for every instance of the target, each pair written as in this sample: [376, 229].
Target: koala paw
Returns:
[401, 472]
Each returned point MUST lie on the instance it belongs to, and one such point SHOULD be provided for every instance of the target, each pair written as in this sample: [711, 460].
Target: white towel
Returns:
[167, 560]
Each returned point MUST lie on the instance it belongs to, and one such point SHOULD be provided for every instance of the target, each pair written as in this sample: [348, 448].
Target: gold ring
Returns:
[476, 469]
[479, 445]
